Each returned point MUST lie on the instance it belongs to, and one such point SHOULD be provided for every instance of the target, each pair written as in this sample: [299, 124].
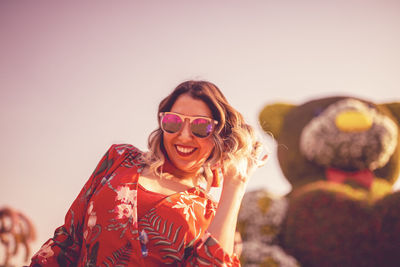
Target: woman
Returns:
[150, 209]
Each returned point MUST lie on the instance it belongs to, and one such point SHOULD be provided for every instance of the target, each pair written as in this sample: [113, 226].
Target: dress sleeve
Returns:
[208, 252]
[63, 249]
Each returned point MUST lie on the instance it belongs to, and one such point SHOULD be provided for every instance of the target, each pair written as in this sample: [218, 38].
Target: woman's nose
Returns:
[186, 132]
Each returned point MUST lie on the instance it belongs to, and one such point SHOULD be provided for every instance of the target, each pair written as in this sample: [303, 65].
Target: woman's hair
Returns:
[234, 140]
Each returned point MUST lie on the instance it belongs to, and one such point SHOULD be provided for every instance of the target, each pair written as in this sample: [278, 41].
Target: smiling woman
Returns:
[153, 208]
[186, 153]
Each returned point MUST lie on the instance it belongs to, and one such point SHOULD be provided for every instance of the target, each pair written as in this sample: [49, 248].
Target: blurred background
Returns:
[76, 77]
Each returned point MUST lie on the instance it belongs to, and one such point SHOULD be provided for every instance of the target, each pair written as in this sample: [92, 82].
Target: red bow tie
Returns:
[363, 177]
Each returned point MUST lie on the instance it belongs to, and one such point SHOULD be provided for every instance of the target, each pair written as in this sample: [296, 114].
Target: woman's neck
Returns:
[167, 185]
[171, 169]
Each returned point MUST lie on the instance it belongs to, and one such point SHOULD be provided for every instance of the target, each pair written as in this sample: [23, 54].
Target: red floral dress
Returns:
[102, 229]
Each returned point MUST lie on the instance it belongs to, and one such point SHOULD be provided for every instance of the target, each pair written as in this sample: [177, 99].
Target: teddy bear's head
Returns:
[339, 138]
[341, 155]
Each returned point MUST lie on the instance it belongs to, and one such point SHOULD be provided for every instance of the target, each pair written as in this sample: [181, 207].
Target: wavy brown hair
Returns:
[234, 140]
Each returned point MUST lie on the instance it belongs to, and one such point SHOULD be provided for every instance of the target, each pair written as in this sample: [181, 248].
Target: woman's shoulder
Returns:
[126, 152]
[122, 149]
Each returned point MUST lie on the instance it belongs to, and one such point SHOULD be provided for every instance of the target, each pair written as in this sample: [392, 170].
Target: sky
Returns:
[78, 76]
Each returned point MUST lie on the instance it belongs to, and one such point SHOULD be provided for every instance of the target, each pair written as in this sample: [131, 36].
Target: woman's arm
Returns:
[216, 246]
[63, 249]
[236, 177]
[223, 226]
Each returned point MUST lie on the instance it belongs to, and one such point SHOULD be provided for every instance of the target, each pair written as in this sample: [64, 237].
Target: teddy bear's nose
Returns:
[353, 121]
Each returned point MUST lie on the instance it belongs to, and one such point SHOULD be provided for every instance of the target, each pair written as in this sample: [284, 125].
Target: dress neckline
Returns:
[149, 191]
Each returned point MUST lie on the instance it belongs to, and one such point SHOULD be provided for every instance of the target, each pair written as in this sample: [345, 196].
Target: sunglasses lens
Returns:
[171, 123]
[201, 127]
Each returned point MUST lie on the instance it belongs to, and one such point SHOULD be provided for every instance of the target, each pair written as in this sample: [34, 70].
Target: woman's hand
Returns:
[239, 171]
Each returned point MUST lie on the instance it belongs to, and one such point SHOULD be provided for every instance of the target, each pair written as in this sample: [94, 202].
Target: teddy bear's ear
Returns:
[394, 109]
[272, 116]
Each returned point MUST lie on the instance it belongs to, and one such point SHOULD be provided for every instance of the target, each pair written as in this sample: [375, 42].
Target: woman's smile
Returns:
[185, 151]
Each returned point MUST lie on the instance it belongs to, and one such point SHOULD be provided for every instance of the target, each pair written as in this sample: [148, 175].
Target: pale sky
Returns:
[79, 76]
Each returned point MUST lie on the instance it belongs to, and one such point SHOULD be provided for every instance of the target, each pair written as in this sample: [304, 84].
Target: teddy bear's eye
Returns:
[370, 105]
[317, 112]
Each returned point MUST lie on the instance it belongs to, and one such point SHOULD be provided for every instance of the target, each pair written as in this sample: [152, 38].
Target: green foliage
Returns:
[269, 262]
[394, 109]
[264, 204]
[272, 116]
[335, 228]
[330, 224]
[388, 242]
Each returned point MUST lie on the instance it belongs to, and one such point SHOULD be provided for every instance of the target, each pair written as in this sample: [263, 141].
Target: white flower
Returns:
[92, 216]
[188, 208]
[90, 208]
[124, 211]
[92, 221]
[126, 195]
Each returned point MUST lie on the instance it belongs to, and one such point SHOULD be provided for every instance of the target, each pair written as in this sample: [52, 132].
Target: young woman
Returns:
[152, 209]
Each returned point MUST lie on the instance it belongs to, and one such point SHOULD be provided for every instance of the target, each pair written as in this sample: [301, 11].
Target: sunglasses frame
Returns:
[191, 119]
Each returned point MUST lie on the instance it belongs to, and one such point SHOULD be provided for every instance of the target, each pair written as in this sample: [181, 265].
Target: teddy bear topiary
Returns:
[341, 156]
[259, 224]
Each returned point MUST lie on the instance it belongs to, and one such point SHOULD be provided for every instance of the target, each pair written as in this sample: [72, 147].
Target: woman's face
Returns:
[186, 151]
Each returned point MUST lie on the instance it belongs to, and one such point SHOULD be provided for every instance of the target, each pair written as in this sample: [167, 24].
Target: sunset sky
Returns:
[79, 76]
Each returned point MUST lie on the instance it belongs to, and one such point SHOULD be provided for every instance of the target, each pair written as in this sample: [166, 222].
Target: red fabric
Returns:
[146, 200]
[363, 177]
[102, 228]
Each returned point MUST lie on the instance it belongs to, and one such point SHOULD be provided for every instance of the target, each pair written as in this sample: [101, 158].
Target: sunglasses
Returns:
[200, 126]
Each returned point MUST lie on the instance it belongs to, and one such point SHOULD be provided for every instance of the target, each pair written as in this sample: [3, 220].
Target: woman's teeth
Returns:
[185, 150]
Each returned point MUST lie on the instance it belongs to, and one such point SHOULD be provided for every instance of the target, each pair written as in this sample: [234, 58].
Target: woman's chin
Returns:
[186, 169]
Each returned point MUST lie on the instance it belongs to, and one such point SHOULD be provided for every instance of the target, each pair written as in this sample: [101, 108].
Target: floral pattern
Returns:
[188, 202]
[126, 195]
[102, 229]
[92, 218]
[45, 251]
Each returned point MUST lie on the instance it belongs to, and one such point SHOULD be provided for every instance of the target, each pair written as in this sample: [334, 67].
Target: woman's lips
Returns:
[185, 151]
